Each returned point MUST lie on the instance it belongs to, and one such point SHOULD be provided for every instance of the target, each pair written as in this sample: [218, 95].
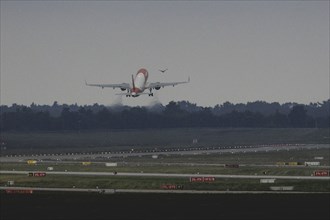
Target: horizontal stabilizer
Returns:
[125, 93]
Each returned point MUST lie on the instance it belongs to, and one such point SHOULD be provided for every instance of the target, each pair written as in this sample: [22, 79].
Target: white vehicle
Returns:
[139, 85]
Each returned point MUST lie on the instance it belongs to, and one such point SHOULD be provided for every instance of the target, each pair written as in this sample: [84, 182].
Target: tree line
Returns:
[174, 115]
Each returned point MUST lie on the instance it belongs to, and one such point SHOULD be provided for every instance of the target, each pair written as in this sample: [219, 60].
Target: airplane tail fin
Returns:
[133, 81]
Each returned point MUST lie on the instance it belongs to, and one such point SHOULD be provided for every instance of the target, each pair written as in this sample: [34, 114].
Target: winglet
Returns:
[86, 83]
[189, 79]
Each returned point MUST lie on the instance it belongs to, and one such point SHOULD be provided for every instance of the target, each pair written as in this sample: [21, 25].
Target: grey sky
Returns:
[237, 51]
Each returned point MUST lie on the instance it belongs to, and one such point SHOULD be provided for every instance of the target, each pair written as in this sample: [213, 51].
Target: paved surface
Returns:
[111, 191]
[176, 175]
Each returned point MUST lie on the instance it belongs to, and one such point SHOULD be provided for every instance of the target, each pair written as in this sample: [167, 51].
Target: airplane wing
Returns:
[158, 85]
[121, 85]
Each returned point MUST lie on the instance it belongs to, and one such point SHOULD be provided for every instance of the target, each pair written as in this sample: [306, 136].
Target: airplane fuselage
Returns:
[139, 82]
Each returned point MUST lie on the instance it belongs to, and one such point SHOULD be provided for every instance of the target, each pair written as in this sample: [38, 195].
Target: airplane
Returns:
[139, 85]
[163, 71]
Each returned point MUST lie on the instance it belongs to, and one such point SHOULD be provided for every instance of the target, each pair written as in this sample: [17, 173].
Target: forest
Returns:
[182, 114]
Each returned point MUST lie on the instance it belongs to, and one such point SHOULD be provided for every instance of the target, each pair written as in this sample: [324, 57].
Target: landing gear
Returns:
[128, 93]
[150, 94]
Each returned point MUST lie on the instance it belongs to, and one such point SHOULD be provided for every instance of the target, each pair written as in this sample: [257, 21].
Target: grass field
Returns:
[119, 182]
[264, 158]
[42, 142]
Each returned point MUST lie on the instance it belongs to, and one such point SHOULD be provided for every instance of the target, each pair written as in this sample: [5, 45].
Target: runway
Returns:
[165, 205]
[112, 191]
[171, 175]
